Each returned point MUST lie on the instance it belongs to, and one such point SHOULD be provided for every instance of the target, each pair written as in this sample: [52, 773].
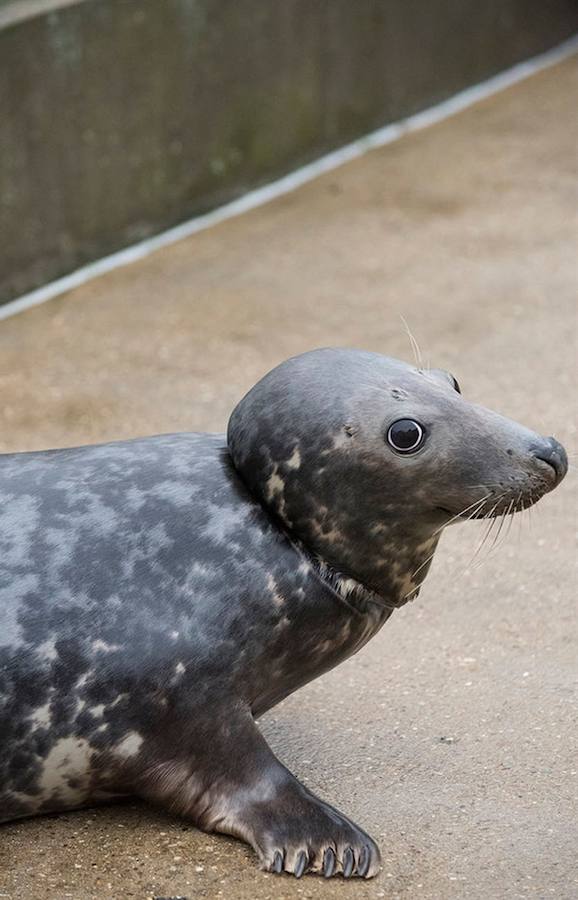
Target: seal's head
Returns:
[365, 459]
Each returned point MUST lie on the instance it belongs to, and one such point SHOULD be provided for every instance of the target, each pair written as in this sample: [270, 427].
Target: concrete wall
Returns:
[120, 118]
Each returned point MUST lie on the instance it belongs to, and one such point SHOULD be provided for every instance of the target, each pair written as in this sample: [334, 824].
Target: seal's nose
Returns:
[553, 453]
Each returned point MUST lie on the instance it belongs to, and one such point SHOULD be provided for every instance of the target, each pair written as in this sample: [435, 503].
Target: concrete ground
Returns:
[450, 737]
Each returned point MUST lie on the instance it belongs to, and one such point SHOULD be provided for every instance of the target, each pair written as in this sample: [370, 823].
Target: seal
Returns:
[158, 595]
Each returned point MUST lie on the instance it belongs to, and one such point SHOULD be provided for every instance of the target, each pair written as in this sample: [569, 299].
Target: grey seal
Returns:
[158, 595]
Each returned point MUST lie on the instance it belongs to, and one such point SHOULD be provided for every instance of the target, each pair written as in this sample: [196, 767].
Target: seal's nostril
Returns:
[553, 453]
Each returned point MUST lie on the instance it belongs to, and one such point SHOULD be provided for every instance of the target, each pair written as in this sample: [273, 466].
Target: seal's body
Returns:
[158, 595]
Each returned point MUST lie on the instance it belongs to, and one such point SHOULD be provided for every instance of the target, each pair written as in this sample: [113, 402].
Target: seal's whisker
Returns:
[524, 509]
[468, 519]
[496, 542]
[414, 344]
[431, 556]
[513, 513]
[472, 515]
[413, 590]
[531, 513]
[509, 525]
[424, 563]
[478, 554]
[461, 513]
[489, 529]
[477, 506]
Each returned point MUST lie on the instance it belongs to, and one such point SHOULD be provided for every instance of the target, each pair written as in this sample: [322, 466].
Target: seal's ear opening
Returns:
[446, 378]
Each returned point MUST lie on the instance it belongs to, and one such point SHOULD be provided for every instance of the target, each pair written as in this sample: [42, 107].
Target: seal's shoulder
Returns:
[130, 484]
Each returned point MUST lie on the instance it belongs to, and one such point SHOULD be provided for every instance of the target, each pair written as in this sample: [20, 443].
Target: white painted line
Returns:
[295, 179]
[20, 10]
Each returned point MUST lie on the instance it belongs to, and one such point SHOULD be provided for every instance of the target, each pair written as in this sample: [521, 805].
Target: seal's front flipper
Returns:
[293, 831]
[235, 785]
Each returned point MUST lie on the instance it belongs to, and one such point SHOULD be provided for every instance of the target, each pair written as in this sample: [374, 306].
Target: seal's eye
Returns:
[456, 385]
[405, 436]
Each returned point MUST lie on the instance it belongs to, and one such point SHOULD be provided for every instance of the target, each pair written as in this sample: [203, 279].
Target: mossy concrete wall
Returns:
[120, 118]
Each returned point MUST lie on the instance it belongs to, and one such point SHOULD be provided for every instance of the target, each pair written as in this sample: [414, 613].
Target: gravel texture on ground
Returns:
[451, 737]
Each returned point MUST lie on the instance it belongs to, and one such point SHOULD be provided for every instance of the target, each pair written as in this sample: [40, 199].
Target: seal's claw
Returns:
[277, 865]
[363, 864]
[301, 864]
[348, 862]
[328, 863]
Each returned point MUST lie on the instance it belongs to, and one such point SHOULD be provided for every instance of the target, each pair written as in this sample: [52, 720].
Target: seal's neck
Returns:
[391, 581]
[364, 545]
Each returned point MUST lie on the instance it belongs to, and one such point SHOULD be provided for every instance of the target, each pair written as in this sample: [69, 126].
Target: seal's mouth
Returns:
[498, 503]
[479, 513]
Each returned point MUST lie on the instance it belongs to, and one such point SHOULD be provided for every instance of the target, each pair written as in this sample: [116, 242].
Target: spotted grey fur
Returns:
[158, 595]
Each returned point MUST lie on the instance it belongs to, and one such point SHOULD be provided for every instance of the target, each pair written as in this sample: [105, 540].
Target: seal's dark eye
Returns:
[457, 385]
[405, 436]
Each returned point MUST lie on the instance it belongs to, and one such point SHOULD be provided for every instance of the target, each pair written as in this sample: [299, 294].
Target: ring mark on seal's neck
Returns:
[345, 589]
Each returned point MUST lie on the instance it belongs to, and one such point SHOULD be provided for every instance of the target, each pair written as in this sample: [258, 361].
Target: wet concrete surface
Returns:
[451, 737]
